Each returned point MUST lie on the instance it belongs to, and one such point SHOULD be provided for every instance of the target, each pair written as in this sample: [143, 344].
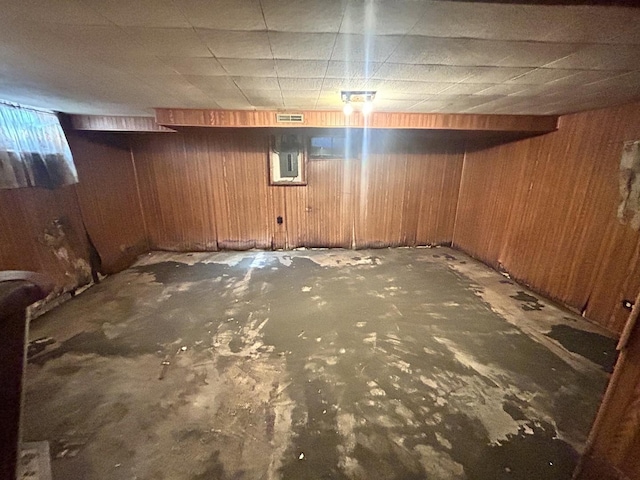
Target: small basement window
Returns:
[326, 147]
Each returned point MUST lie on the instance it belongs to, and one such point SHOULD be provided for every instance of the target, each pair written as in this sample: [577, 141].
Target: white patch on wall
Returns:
[629, 209]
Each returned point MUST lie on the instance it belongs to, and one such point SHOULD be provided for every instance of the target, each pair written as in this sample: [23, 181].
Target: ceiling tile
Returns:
[464, 88]
[169, 41]
[499, 21]
[303, 15]
[426, 73]
[364, 48]
[393, 105]
[227, 98]
[234, 44]
[598, 24]
[601, 57]
[257, 83]
[344, 84]
[494, 74]
[79, 40]
[524, 58]
[300, 83]
[212, 83]
[470, 52]
[395, 95]
[263, 97]
[65, 12]
[585, 77]
[402, 86]
[537, 76]
[301, 68]
[502, 89]
[302, 46]
[351, 69]
[146, 13]
[249, 68]
[233, 103]
[223, 14]
[381, 18]
[195, 65]
[140, 64]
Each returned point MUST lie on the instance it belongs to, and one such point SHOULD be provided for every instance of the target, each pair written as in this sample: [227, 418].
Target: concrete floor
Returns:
[315, 364]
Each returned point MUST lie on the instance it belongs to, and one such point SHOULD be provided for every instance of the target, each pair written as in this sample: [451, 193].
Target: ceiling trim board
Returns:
[113, 123]
[179, 117]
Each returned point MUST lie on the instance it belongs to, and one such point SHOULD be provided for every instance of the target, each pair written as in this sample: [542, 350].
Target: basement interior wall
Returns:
[46, 230]
[542, 208]
[107, 194]
[208, 189]
[545, 209]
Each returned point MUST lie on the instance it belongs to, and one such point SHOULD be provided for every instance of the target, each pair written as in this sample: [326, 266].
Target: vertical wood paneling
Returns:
[246, 218]
[177, 192]
[381, 192]
[41, 230]
[407, 191]
[329, 209]
[207, 189]
[108, 198]
[545, 209]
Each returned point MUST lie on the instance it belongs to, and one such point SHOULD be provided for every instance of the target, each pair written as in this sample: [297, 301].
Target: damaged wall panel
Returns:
[107, 193]
[41, 230]
[629, 209]
[546, 209]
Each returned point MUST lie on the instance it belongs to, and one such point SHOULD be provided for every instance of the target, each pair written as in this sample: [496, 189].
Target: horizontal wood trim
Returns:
[174, 117]
[108, 123]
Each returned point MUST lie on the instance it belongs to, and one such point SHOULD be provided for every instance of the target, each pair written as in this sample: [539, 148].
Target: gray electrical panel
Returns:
[289, 163]
[289, 155]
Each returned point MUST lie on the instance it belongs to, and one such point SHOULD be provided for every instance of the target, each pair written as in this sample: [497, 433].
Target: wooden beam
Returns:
[110, 123]
[177, 117]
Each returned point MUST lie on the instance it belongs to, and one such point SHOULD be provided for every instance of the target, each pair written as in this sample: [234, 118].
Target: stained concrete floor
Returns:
[320, 364]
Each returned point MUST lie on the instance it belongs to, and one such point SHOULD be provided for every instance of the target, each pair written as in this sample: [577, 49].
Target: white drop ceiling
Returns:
[125, 57]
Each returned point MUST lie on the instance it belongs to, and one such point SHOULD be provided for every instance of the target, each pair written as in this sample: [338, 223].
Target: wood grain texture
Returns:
[207, 189]
[107, 194]
[430, 121]
[41, 231]
[112, 123]
[407, 191]
[615, 438]
[544, 208]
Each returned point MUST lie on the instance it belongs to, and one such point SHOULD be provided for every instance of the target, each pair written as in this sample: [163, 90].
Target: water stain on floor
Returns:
[312, 365]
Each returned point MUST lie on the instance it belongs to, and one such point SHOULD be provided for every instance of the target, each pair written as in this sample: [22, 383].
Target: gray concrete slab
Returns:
[313, 364]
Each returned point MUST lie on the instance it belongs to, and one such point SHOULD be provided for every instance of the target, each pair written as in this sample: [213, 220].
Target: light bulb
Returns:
[367, 108]
[347, 109]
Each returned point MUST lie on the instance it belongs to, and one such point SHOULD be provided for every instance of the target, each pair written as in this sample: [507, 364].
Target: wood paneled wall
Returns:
[209, 189]
[41, 230]
[544, 209]
[44, 230]
[108, 198]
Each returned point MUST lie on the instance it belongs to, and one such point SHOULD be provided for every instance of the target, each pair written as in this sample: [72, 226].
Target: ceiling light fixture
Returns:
[362, 99]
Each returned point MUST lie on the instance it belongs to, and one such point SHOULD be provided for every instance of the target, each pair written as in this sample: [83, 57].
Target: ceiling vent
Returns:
[289, 118]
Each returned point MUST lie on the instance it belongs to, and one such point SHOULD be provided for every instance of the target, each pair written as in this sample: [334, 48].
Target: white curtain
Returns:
[33, 149]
